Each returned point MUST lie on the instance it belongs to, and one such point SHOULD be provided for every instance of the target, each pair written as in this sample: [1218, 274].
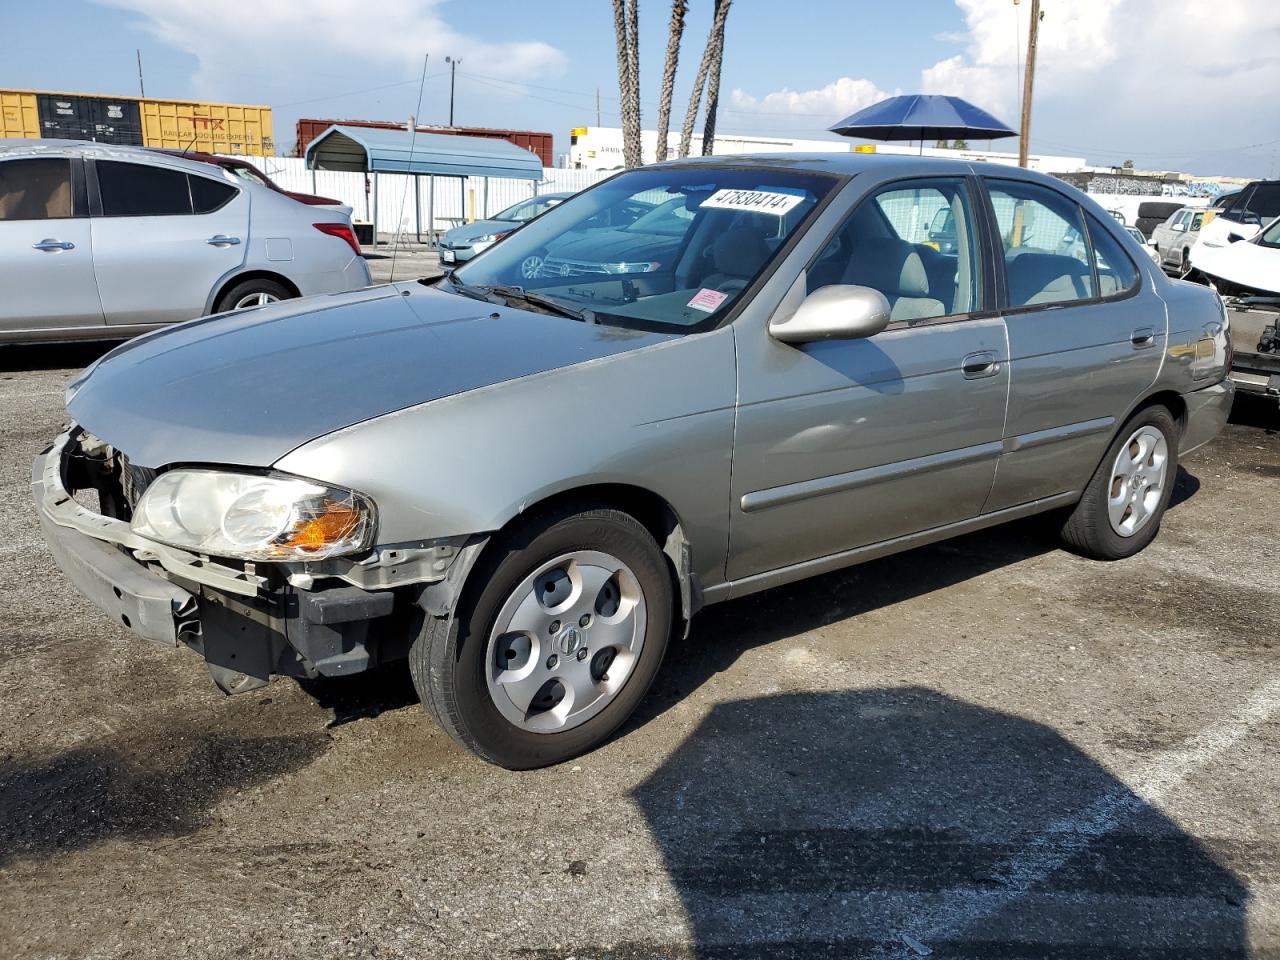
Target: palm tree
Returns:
[678, 10]
[625, 26]
[713, 77]
[708, 56]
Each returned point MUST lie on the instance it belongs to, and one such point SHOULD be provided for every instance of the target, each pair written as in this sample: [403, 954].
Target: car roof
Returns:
[850, 164]
[13, 148]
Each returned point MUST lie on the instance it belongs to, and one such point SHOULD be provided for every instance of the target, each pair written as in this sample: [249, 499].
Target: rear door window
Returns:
[36, 189]
[1046, 257]
[138, 190]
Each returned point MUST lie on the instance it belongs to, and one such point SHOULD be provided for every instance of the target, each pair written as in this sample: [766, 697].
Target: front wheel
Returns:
[557, 638]
[1121, 509]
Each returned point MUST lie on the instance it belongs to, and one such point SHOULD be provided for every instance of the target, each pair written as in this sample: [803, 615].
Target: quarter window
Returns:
[914, 243]
[1116, 272]
[36, 189]
[1042, 237]
[208, 195]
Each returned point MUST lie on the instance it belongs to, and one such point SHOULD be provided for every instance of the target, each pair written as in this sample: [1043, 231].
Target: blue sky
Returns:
[790, 69]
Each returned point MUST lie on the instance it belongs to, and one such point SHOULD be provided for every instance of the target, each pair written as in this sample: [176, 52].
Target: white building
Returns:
[600, 148]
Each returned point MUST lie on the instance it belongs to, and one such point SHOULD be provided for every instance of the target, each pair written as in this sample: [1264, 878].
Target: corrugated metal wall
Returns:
[395, 192]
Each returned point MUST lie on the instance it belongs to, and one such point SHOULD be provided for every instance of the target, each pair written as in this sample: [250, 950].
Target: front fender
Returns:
[659, 418]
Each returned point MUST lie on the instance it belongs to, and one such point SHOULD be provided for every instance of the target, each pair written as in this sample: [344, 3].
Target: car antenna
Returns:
[192, 142]
[413, 137]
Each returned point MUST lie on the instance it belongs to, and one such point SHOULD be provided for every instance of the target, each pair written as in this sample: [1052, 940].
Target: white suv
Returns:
[106, 242]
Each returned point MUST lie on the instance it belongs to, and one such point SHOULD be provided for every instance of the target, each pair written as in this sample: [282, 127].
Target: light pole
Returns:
[453, 70]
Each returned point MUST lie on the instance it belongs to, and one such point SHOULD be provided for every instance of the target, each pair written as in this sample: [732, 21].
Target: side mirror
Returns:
[835, 312]
[1234, 238]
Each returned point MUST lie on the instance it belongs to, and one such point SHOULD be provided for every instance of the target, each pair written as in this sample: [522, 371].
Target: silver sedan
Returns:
[104, 242]
[524, 484]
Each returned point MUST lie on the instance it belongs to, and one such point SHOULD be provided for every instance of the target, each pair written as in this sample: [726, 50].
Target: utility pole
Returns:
[142, 91]
[1028, 82]
[453, 70]
[597, 106]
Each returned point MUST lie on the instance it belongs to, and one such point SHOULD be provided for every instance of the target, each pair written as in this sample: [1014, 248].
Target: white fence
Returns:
[444, 201]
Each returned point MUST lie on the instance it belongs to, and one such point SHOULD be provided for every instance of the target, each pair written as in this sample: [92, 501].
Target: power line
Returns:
[352, 93]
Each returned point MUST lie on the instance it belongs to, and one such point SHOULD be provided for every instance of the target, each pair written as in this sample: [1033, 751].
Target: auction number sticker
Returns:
[708, 301]
[754, 201]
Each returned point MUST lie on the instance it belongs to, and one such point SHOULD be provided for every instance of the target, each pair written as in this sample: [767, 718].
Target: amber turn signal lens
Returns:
[340, 521]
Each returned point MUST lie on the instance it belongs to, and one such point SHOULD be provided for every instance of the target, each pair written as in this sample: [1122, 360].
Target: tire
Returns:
[1091, 529]
[498, 631]
[1158, 209]
[261, 289]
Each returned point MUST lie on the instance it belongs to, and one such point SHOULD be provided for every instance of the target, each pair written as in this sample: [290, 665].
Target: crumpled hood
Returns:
[247, 387]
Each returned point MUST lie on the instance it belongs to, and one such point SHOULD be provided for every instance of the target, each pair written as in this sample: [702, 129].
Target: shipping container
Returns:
[535, 141]
[69, 117]
[231, 128]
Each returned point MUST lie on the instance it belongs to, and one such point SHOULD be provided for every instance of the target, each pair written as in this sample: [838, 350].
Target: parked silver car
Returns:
[104, 242]
[1174, 238]
[524, 485]
[470, 239]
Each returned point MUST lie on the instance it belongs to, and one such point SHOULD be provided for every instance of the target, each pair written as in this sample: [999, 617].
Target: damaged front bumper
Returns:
[249, 622]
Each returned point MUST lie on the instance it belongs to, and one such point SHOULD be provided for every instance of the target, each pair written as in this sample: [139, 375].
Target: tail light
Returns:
[342, 231]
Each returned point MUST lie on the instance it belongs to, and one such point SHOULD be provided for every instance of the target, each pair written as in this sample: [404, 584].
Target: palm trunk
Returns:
[625, 18]
[695, 100]
[674, 34]
[713, 78]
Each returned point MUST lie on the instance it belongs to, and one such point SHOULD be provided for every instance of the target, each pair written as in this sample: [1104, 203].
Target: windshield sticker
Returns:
[755, 201]
[708, 301]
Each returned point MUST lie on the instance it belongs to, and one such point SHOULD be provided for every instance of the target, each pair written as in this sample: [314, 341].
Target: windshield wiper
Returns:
[547, 303]
[466, 290]
[500, 293]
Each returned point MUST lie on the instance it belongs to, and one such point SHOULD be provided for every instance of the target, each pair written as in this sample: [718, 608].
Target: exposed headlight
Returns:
[490, 237]
[254, 517]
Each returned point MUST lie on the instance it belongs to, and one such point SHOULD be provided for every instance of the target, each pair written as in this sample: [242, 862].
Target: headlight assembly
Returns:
[254, 517]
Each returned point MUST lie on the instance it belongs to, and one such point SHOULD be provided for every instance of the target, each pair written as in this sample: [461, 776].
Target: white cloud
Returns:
[836, 101]
[1167, 82]
[1077, 37]
[287, 47]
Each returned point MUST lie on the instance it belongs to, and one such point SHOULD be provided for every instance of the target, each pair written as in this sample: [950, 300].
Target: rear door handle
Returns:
[981, 364]
[51, 244]
[221, 240]
[1143, 337]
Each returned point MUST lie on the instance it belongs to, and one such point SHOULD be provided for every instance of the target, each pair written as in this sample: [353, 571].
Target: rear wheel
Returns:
[253, 293]
[557, 638]
[1121, 509]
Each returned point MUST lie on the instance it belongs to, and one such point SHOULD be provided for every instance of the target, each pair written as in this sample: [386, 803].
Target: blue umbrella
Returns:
[920, 117]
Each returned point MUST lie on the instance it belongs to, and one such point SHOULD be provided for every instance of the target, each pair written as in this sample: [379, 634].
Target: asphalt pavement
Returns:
[987, 748]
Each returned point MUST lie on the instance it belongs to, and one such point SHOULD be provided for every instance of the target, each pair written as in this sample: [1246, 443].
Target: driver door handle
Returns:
[1143, 337]
[221, 240]
[51, 244]
[981, 364]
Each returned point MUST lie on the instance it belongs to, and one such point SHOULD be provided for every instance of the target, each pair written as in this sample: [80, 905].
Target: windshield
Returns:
[526, 209]
[665, 248]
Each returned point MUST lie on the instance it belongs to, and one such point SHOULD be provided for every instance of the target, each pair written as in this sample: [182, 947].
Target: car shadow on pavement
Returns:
[905, 823]
[722, 633]
[161, 788]
[19, 357]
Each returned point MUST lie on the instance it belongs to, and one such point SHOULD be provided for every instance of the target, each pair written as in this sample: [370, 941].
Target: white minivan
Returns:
[104, 242]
